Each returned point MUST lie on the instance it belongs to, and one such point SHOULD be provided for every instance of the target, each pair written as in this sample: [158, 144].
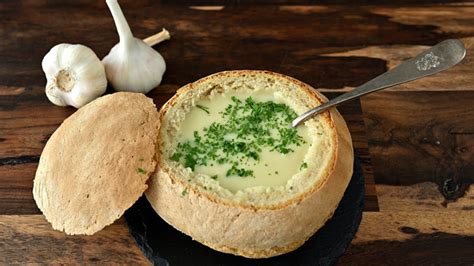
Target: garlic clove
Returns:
[132, 65]
[75, 75]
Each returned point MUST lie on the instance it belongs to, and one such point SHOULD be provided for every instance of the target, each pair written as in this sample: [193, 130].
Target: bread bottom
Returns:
[260, 254]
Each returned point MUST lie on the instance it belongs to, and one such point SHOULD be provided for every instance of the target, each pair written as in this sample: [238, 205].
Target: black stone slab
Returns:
[164, 245]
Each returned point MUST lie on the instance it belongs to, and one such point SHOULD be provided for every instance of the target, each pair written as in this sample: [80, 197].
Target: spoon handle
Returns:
[436, 59]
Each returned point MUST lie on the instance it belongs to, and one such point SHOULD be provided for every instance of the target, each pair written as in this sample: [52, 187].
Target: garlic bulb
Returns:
[75, 76]
[131, 65]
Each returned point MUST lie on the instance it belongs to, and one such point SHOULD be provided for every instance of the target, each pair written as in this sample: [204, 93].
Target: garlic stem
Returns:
[163, 35]
[125, 34]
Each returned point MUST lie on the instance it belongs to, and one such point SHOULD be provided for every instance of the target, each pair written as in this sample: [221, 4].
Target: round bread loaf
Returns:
[259, 221]
[96, 164]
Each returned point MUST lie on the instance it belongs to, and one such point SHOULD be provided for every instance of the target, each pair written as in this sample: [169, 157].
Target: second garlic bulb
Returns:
[132, 65]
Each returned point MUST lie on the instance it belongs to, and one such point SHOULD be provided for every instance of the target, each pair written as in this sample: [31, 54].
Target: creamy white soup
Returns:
[242, 141]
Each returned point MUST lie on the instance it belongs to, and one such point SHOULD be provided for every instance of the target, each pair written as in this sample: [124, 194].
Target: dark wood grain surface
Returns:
[415, 141]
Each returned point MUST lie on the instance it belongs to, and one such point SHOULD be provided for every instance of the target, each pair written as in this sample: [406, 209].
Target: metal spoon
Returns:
[436, 59]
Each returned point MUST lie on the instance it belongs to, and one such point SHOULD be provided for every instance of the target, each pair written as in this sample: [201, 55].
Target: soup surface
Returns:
[242, 141]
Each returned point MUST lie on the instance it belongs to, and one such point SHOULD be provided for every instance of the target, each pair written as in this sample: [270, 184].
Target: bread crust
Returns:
[96, 164]
[248, 230]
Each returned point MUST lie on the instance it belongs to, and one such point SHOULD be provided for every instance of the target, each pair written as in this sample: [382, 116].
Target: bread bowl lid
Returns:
[97, 163]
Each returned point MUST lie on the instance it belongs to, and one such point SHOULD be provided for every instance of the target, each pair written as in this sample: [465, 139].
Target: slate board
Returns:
[164, 245]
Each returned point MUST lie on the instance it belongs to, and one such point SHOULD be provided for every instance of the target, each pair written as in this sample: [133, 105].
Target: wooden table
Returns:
[416, 141]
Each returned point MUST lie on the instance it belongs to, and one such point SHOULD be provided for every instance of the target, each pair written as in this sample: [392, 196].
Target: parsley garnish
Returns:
[176, 157]
[303, 166]
[239, 172]
[248, 127]
[141, 170]
[204, 108]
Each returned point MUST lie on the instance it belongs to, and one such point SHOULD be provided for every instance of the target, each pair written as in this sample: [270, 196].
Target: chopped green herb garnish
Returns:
[176, 157]
[184, 192]
[141, 170]
[303, 166]
[247, 127]
[239, 172]
[204, 108]
[141, 159]
[214, 177]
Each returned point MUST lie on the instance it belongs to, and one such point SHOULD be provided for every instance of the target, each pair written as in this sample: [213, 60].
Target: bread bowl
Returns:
[254, 219]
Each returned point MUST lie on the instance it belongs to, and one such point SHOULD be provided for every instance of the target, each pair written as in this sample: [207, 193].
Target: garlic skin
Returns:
[75, 75]
[135, 69]
[131, 65]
